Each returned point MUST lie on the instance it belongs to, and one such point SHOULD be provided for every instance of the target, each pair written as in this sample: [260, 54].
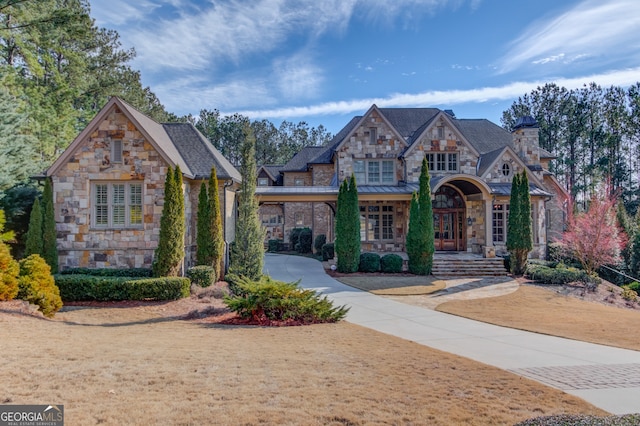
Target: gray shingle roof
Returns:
[198, 153]
[324, 157]
[299, 161]
[273, 170]
[407, 121]
[487, 159]
[484, 135]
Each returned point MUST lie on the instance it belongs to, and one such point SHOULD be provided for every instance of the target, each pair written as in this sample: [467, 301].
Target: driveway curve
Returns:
[607, 377]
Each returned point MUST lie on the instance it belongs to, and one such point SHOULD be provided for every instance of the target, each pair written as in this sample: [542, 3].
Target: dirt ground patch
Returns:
[143, 363]
[390, 285]
[567, 311]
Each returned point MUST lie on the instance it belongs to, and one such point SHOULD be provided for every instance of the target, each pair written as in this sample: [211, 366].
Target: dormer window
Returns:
[116, 151]
[263, 182]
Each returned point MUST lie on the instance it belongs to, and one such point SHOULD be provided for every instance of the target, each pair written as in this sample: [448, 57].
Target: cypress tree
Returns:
[170, 250]
[33, 240]
[204, 250]
[519, 233]
[247, 254]
[420, 236]
[49, 243]
[216, 233]
[347, 244]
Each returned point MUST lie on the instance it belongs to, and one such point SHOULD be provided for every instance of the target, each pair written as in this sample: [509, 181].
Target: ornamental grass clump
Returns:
[269, 302]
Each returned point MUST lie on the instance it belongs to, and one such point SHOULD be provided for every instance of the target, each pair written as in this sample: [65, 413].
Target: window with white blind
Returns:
[116, 204]
[116, 151]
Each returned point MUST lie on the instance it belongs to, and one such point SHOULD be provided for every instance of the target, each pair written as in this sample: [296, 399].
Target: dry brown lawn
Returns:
[391, 285]
[145, 365]
[542, 310]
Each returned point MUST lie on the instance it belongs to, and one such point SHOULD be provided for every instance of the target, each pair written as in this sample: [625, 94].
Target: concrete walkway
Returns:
[607, 377]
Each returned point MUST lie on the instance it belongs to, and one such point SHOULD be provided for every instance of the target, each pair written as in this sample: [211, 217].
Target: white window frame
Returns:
[376, 222]
[374, 172]
[500, 221]
[271, 219]
[263, 181]
[373, 135]
[444, 162]
[116, 151]
[106, 202]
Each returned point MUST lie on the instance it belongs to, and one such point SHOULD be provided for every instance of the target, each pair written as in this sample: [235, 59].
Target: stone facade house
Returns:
[108, 188]
[471, 162]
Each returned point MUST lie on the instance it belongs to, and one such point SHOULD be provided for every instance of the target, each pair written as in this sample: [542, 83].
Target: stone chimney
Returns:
[526, 141]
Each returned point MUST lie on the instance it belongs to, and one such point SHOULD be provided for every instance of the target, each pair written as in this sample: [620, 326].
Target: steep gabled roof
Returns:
[487, 160]
[325, 156]
[198, 153]
[300, 161]
[272, 170]
[484, 135]
[177, 143]
[409, 121]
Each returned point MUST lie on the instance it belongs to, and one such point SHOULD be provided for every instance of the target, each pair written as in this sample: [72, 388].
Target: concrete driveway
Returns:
[607, 377]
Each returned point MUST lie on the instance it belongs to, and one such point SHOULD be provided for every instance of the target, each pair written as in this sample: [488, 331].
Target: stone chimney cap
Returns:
[526, 121]
[450, 112]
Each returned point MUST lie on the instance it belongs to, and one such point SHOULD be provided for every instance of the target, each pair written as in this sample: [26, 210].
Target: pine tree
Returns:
[204, 250]
[347, 244]
[33, 243]
[519, 233]
[49, 243]
[216, 234]
[420, 236]
[170, 251]
[247, 254]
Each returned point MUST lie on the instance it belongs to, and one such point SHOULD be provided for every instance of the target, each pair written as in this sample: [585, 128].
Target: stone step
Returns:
[481, 267]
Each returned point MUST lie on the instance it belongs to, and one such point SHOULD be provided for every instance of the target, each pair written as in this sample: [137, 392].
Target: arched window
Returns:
[447, 198]
[506, 169]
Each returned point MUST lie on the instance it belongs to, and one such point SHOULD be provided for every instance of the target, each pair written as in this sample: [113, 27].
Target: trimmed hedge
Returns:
[328, 251]
[305, 240]
[319, 242]
[294, 237]
[391, 263]
[275, 246]
[74, 288]
[559, 275]
[369, 262]
[202, 275]
[109, 272]
[270, 300]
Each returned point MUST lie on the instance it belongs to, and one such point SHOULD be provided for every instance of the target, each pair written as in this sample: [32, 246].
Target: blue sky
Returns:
[324, 61]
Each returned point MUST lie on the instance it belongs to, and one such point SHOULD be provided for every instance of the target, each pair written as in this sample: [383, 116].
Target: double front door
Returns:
[449, 230]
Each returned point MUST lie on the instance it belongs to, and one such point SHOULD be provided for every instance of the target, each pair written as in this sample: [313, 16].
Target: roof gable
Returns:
[363, 121]
[441, 116]
[489, 160]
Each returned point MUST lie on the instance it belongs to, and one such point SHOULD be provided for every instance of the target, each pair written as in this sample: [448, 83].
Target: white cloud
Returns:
[119, 12]
[446, 97]
[297, 77]
[592, 26]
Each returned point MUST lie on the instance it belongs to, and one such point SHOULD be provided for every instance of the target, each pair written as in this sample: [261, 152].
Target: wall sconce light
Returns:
[469, 221]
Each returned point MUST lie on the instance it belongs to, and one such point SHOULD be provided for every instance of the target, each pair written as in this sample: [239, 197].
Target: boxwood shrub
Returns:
[319, 242]
[391, 263]
[275, 246]
[328, 251]
[109, 272]
[561, 274]
[202, 275]
[369, 262]
[74, 288]
[305, 239]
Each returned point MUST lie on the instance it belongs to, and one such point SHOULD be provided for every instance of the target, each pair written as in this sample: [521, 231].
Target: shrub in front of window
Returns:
[274, 245]
[170, 251]
[294, 238]
[215, 231]
[202, 275]
[519, 232]
[420, 236]
[204, 244]
[37, 286]
[109, 272]
[75, 288]
[347, 243]
[319, 242]
[391, 263]
[328, 251]
[369, 262]
[305, 239]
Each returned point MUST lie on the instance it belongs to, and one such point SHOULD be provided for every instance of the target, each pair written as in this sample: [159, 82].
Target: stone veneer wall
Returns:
[526, 142]
[290, 178]
[496, 175]
[80, 244]
[322, 174]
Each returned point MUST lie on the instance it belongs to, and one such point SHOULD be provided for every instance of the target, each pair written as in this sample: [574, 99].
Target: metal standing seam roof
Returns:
[505, 189]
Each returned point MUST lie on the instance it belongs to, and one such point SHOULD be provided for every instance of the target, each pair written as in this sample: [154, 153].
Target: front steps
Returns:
[454, 265]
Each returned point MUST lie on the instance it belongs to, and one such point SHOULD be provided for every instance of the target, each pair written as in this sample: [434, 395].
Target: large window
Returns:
[500, 218]
[116, 151]
[117, 205]
[374, 172]
[442, 161]
[271, 219]
[376, 223]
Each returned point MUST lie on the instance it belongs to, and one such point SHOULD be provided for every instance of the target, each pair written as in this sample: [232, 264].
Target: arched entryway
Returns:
[449, 219]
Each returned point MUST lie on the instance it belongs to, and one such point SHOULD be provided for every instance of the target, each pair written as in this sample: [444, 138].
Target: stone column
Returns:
[488, 249]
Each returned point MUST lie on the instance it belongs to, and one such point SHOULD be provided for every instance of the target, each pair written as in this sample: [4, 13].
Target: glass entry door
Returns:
[448, 230]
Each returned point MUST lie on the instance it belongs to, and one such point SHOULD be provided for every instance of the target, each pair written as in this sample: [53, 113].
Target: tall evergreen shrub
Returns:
[247, 254]
[170, 251]
[49, 243]
[347, 243]
[216, 232]
[33, 243]
[519, 232]
[420, 236]
[204, 244]
[9, 268]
